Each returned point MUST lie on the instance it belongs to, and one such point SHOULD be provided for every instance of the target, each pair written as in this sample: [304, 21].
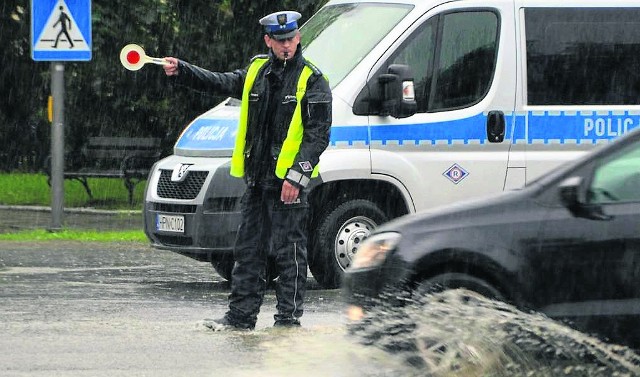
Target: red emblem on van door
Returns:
[455, 173]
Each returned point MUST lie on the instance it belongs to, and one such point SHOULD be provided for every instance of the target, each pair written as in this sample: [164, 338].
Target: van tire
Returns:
[335, 234]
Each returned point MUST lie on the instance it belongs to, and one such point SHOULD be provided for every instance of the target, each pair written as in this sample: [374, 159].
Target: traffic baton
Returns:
[133, 57]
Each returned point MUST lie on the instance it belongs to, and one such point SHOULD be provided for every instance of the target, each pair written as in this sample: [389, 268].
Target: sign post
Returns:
[57, 146]
[60, 31]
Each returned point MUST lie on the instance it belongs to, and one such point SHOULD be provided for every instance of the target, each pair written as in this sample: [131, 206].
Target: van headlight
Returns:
[373, 251]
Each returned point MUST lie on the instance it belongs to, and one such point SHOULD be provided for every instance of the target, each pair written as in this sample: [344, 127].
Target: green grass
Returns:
[76, 235]
[32, 189]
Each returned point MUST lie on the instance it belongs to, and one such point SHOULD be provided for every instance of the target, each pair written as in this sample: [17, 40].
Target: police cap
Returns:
[281, 25]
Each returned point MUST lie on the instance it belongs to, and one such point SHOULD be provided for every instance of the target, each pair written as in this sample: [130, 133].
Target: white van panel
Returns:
[455, 165]
[345, 164]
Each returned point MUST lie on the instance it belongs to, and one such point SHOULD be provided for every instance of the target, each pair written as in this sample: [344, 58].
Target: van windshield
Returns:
[338, 37]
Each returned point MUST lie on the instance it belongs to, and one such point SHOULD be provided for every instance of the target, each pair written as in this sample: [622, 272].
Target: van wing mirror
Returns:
[398, 94]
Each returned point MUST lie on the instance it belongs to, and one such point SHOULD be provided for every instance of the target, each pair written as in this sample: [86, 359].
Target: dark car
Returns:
[567, 245]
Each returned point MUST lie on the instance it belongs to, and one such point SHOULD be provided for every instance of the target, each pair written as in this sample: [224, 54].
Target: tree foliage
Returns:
[101, 97]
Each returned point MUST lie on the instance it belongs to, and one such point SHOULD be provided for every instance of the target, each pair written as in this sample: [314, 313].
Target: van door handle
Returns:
[495, 126]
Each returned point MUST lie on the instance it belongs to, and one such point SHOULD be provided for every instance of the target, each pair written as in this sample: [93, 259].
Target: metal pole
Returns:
[57, 146]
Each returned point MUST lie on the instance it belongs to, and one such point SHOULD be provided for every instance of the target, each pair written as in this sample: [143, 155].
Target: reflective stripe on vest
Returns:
[291, 144]
[237, 158]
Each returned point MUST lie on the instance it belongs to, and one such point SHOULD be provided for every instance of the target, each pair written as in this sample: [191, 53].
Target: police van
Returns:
[434, 101]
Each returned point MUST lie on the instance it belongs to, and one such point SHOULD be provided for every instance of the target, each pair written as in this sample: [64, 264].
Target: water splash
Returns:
[461, 333]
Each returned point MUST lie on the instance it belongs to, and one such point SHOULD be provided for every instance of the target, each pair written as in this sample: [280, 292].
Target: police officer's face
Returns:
[285, 48]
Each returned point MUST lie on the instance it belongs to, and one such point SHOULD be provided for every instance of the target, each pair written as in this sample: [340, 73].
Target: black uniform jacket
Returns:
[271, 104]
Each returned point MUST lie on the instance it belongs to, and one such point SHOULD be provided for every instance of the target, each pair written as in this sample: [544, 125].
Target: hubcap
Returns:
[349, 237]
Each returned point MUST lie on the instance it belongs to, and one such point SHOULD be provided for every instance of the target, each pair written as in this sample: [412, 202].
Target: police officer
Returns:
[285, 118]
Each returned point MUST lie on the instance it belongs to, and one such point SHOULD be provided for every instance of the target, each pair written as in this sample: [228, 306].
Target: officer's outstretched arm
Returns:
[219, 83]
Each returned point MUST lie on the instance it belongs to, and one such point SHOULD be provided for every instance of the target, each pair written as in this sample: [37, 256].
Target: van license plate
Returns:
[168, 223]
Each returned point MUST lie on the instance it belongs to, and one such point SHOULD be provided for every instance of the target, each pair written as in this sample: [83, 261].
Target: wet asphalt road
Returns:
[78, 309]
[126, 309]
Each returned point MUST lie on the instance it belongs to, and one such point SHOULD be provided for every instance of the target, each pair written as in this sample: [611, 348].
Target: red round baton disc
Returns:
[133, 57]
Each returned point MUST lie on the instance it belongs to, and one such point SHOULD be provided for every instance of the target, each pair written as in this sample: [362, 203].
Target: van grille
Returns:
[174, 208]
[187, 189]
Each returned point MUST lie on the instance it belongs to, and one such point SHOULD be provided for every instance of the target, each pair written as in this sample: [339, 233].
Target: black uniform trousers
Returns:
[269, 227]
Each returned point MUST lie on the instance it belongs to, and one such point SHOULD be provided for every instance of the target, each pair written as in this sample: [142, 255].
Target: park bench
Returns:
[127, 158]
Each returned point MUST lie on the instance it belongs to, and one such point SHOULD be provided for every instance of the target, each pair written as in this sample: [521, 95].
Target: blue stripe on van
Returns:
[543, 127]
[465, 130]
[579, 127]
[349, 134]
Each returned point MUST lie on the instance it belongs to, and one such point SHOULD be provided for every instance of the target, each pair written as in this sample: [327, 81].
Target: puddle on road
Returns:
[140, 316]
[312, 352]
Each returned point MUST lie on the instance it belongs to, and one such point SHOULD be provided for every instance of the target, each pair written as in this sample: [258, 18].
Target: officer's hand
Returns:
[289, 192]
[171, 69]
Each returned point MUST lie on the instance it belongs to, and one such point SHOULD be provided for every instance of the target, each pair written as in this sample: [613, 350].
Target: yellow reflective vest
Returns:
[291, 144]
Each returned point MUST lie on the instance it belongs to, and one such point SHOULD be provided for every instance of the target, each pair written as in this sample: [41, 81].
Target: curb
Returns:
[14, 218]
[87, 210]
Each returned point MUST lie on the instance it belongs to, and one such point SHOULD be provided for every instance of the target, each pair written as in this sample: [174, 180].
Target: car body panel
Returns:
[581, 265]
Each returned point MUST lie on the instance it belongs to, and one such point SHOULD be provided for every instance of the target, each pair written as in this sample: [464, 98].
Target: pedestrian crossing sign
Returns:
[61, 30]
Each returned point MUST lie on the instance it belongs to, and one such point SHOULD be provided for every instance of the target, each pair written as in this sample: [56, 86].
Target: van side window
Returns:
[452, 57]
[417, 52]
[583, 56]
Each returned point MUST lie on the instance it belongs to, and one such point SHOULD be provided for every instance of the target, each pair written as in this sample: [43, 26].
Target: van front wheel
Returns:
[335, 236]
